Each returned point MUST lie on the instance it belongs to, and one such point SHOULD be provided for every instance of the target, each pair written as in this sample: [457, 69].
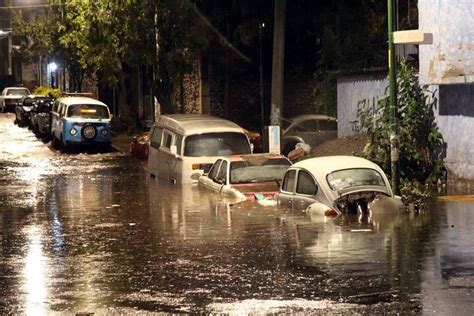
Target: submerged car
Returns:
[139, 145]
[310, 129]
[10, 97]
[247, 177]
[338, 184]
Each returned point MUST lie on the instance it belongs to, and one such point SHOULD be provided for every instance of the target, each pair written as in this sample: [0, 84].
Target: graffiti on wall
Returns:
[367, 105]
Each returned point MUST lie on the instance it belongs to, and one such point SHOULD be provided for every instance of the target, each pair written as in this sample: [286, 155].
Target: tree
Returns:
[421, 143]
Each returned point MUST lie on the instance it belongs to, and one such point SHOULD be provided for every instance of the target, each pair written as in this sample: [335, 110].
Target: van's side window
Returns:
[179, 144]
[156, 138]
[167, 138]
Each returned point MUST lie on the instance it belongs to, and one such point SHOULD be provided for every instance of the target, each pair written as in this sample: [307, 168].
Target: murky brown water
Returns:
[93, 233]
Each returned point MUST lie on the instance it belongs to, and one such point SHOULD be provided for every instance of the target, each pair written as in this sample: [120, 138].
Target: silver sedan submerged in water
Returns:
[336, 184]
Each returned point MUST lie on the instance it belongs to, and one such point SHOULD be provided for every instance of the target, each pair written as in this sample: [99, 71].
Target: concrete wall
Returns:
[455, 118]
[450, 59]
[354, 93]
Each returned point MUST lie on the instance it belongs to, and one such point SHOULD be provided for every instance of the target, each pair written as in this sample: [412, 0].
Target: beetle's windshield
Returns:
[216, 144]
[90, 111]
[264, 171]
[347, 178]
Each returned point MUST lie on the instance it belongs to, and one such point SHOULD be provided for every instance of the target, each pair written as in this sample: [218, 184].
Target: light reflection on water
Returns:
[34, 273]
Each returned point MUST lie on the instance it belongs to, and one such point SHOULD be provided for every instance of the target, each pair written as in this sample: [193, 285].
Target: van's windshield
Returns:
[91, 111]
[216, 144]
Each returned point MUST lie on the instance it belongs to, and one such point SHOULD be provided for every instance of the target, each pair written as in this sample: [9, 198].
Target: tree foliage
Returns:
[421, 143]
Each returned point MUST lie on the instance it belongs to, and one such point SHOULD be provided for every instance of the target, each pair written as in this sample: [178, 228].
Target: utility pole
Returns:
[260, 70]
[278, 62]
[395, 133]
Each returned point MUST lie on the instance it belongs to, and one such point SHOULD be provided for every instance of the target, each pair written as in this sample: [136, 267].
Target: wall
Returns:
[455, 119]
[450, 59]
[354, 93]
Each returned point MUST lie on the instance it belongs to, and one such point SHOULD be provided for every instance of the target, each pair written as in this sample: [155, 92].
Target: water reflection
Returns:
[34, 273]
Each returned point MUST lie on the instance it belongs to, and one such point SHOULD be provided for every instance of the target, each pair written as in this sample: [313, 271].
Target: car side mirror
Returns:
[174, 150]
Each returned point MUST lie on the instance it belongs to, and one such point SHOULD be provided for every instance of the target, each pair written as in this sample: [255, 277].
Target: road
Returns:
[92, 233]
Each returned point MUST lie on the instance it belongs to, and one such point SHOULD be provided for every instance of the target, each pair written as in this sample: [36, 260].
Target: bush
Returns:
[42, 90]
[421, 143]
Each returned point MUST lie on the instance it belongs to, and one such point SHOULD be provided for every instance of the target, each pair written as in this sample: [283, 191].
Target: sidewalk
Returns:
[121, 142]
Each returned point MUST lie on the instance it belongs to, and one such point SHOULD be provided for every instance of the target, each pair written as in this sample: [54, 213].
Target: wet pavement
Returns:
[92, 233]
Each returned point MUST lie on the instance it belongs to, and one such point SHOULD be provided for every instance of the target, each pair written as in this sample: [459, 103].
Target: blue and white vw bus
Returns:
[80, 121]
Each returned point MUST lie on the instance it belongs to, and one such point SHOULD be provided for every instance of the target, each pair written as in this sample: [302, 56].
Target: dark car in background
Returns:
[10, 97]
[25, 107]
[40, 120]
[310, 129]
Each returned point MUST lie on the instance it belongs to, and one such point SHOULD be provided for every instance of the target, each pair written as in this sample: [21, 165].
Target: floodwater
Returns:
[92, 233]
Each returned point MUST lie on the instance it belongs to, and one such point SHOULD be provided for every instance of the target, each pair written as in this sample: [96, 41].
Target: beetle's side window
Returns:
[289, 181]
[222, 174]
[305, 184]
[214, 169]
[156, 138]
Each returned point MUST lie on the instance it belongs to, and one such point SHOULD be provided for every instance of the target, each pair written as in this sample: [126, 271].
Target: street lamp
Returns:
[51, 70]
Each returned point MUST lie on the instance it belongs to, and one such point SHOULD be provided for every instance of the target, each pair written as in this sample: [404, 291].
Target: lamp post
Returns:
[392, 79]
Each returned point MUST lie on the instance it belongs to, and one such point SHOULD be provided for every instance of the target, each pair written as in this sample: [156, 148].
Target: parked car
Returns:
[311, 129]
[139, 145]
[41, 117]
[25, 107]
[247, 177]
[182, 146]
[80, 121]
[10, 97]
[337, 184]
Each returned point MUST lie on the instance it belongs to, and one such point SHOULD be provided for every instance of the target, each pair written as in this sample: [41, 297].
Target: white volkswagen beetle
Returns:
[337, 184]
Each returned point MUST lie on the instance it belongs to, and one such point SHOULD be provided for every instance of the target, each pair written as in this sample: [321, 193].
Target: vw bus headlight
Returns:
[104, 132]
[73, 131]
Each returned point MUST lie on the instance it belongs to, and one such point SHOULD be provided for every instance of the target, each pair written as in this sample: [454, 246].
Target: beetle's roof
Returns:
[80, 100]
[321, 166]
[189, 124]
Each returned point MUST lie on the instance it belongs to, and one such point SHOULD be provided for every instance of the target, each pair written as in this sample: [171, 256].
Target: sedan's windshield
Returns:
[264, 171]
[19, 91]
[216, 144]
[347, 178]
[90, 111]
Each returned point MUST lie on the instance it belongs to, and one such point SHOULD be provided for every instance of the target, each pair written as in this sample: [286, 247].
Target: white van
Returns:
[182, 146]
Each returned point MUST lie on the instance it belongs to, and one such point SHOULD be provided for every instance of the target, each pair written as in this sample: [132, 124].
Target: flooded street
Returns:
[93, 233]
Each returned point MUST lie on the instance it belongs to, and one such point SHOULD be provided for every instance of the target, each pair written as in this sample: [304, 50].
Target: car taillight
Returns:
[330, 213]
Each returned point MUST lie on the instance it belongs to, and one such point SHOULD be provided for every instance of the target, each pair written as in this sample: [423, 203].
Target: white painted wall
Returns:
[353, 94]
[450, 59]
